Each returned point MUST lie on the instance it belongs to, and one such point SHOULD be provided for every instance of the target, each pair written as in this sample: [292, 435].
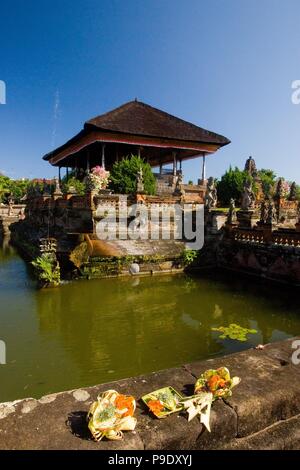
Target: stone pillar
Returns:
[139, 152]
[267, 232]
[247, 218]
[103, 156]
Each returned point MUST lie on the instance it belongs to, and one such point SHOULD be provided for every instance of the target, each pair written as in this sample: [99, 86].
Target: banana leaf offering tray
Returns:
[163, 402]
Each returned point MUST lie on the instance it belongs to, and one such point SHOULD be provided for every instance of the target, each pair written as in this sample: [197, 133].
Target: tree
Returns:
[231, 185]
[18, 189]
[4, 188]
[123, 176]
[15, 189]
[267, 178]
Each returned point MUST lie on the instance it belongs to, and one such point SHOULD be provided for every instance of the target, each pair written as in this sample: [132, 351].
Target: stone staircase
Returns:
[164, 184]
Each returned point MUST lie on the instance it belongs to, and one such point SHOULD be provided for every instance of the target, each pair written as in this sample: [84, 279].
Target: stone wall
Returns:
[9, 214]
[273, 262]
[263, 413]
[72, 220]
[263, 250]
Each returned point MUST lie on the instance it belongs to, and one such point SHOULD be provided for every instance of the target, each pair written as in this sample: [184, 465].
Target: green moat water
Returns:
[88, 332]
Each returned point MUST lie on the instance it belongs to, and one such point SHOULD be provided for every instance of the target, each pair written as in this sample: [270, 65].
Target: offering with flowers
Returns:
[111, 414]
[163, 402]
[218, 382]
[97, 179]
[210, 386]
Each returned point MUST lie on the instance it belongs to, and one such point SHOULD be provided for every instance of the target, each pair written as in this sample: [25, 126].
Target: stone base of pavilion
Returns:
[73, 220]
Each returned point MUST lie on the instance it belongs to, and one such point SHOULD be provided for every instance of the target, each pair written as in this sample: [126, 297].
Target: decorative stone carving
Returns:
[293, 192]
[179, 182]
[140, 181]
[10, 206]
[57, 189]
[72, 190]
[232, 218]
[250, 167]
[280, 189]
[271, 214]
[248, 197]
[211, 198]
[263, 212]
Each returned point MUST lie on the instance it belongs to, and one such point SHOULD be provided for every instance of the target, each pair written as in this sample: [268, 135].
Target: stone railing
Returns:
[248, 236]
[286, 238]
[282, 237]
[11, 210]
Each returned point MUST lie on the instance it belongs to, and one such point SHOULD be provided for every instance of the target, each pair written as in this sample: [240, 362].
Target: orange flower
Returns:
[216, 382]
[124, 401]
[155, 406]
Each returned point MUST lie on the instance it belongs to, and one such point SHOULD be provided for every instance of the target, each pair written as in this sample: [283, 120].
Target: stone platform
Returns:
[263, 413]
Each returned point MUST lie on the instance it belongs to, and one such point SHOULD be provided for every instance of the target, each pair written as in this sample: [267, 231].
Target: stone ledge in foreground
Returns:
[265, 404]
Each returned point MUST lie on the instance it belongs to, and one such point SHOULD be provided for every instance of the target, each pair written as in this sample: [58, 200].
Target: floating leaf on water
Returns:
[235, 332]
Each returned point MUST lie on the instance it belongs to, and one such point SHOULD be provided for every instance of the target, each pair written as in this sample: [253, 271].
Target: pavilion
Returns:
[136, 128]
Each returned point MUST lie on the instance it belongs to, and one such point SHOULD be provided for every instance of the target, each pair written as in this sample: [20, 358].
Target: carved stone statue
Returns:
[179, 182]
[140, 181]
[57, 189]
[293, 192]
[250, 166]
[211, 198]
[248, 197]
[271, 214]
[10, 206]
[231, 218]
[263, 212]
[179, 178]
[280, 188]
[72, 190]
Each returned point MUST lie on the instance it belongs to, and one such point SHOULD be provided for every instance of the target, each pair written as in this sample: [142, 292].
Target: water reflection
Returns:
[93, 331]
[6, 249]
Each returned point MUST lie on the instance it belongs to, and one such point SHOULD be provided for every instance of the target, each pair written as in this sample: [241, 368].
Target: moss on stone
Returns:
[79, 255]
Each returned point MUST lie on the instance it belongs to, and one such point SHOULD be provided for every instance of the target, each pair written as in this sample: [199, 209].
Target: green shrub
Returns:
[189, 256]
[123, 176]
[75, 183]
[47, 269]
[231, 185]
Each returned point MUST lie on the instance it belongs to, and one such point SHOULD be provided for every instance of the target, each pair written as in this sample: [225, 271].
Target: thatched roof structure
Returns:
[136, 127]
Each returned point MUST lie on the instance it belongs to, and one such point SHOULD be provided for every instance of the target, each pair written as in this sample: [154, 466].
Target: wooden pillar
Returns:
[174, 163]
[103, 156]
[160, 168]
[59, 174]
[88, 161]
[67, 172]
[139, 152]
[203, 168]
[180, 165]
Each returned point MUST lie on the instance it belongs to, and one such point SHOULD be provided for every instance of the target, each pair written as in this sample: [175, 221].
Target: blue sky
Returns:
[226, 65]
